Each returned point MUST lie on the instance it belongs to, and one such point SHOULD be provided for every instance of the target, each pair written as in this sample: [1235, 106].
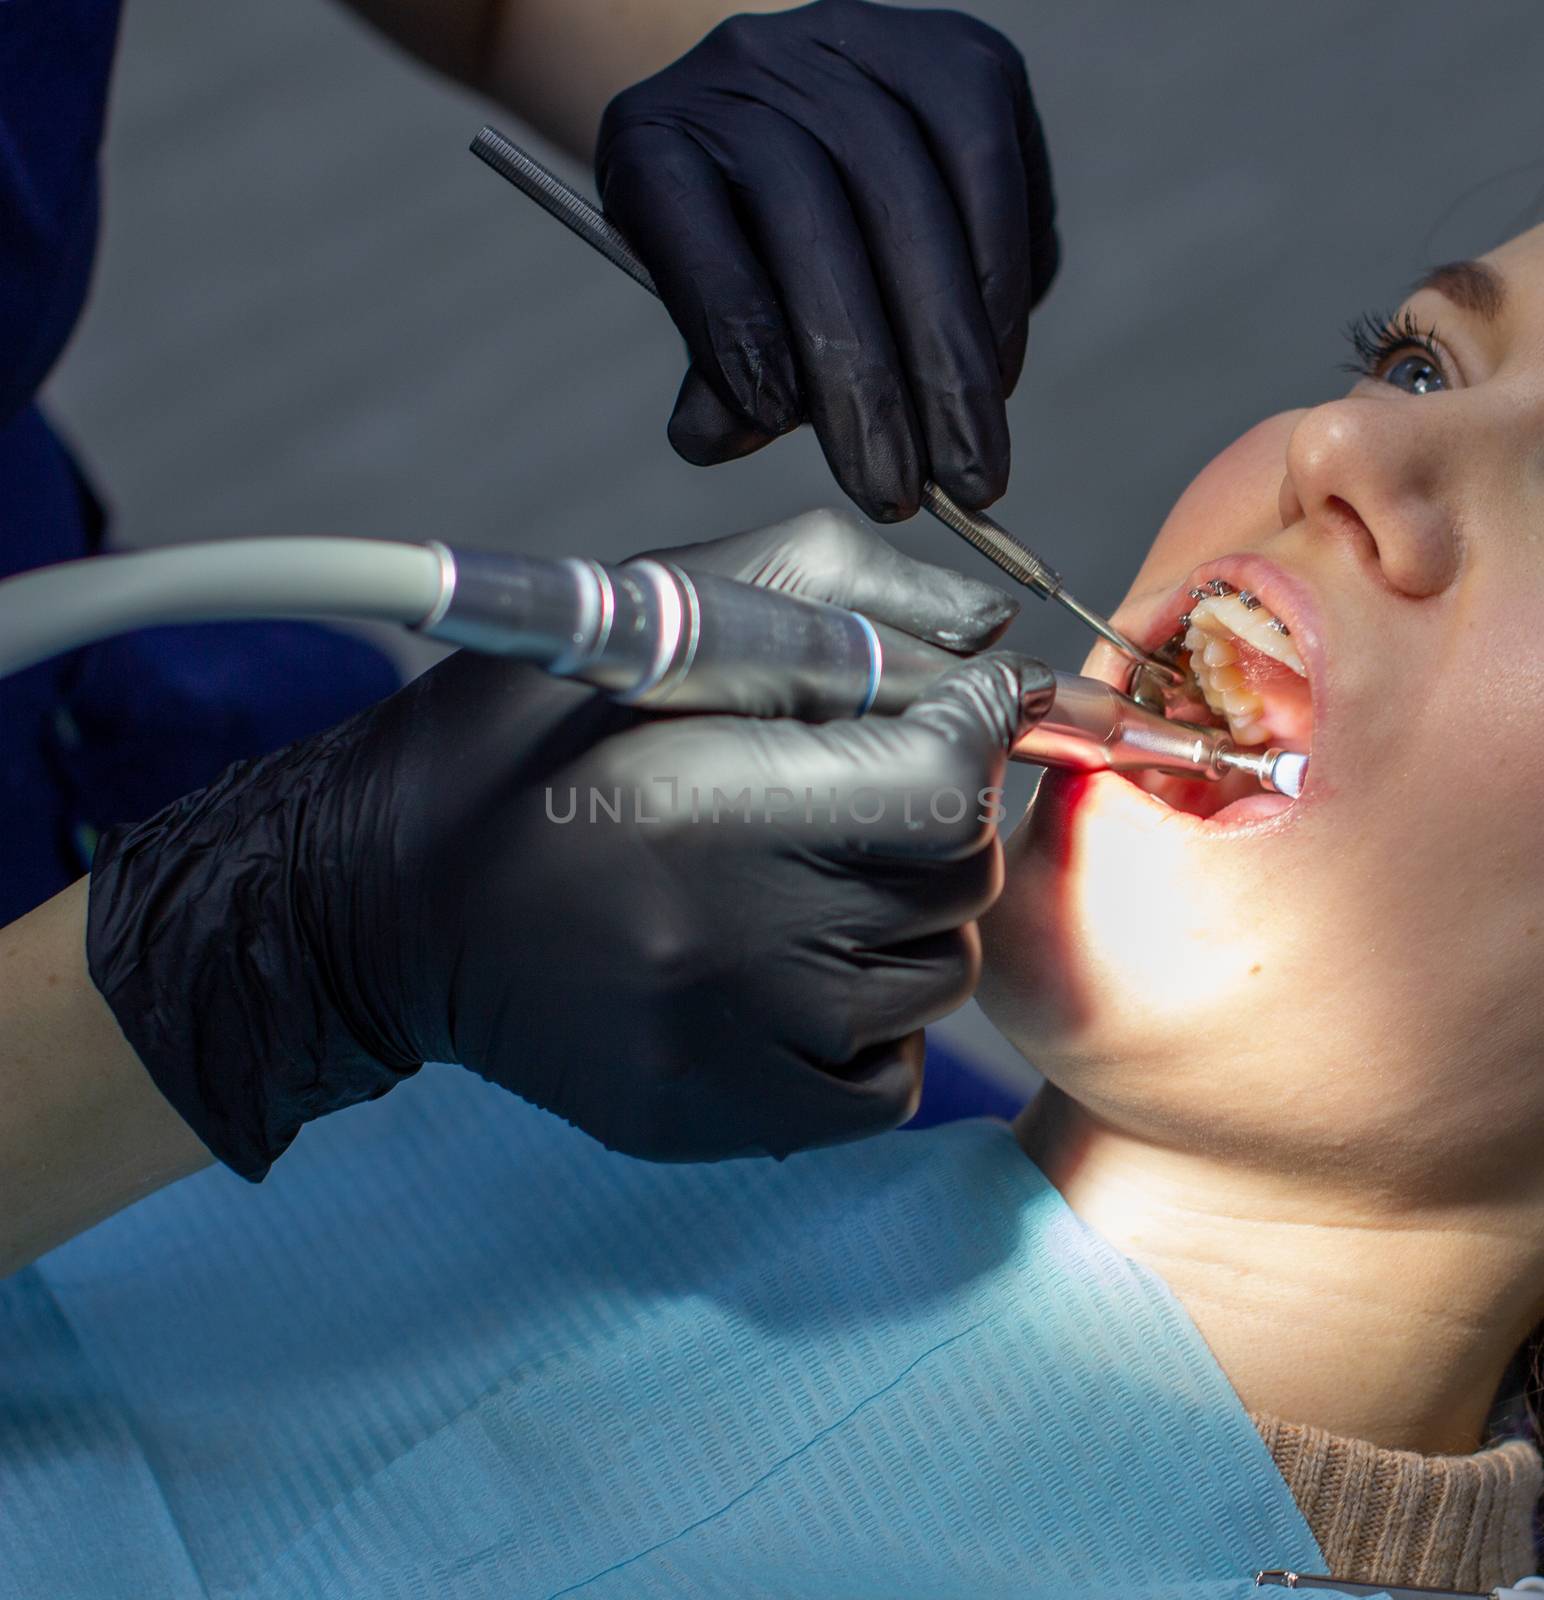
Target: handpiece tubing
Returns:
[54, 609]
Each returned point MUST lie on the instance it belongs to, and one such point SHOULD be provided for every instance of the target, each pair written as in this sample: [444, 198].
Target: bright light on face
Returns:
[1124, 873]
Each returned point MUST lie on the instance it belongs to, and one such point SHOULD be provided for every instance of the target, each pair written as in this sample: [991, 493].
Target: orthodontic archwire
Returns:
[1008, 554]
[1220, 587]
[1183, 681]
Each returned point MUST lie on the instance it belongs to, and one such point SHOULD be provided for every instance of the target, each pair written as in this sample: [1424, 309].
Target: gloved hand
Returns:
[429, 881]
[847, 210]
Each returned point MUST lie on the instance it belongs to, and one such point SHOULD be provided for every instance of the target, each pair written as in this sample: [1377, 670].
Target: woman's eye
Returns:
[1415, 374]
[1397, 351]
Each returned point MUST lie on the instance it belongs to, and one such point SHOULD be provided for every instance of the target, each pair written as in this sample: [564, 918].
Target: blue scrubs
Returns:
[109, 734]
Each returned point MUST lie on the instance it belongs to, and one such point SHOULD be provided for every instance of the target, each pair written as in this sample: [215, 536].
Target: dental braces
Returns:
[1164, 681]
[1218, 588]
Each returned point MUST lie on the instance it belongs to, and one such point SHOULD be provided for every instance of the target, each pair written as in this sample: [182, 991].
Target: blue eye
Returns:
[1397, 351]
[1415, 375]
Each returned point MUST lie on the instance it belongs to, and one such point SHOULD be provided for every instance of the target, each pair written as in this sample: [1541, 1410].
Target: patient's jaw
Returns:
[1327, 1026]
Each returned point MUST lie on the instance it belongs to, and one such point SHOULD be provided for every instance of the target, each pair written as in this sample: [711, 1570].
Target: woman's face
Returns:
[1354, 980]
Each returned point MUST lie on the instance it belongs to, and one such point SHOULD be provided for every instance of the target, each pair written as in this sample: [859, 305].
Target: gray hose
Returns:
[60, 608]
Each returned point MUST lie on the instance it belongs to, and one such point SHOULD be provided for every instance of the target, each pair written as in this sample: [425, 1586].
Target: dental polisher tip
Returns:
[1279, 771]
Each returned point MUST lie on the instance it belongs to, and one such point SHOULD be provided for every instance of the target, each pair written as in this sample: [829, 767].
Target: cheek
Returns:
[1108, 942]
[1231, 504]
[1465, 772]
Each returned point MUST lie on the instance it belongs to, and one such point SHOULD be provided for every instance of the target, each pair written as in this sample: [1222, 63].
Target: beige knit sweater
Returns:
[1394, 1516]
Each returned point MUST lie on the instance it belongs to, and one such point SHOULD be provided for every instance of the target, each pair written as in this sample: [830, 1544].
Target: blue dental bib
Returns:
[454, 1348]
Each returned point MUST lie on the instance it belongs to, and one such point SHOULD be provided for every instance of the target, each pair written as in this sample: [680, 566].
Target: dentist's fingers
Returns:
[921, 258]
[889, 996]
[914, 983]
[831, 555]
[985, 135]
[706, 432]
[890, 184]
[957, 735]
[871, 1091]
[894, 902]
[673, 203]
[776, 1098]
[921, 785]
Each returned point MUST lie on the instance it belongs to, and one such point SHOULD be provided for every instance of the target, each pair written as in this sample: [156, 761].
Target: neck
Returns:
[1341, 1312]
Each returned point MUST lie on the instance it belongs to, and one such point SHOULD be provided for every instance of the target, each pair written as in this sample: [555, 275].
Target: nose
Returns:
[1373, 472]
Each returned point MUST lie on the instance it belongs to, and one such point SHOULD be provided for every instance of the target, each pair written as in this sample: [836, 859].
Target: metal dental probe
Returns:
[994, 541]
[1282, 1579]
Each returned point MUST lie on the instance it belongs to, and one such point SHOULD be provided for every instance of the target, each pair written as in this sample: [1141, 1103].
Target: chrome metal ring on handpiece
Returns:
[447, 560]
[670, 638]
[689, 613]
[594, 608]
[508, 605]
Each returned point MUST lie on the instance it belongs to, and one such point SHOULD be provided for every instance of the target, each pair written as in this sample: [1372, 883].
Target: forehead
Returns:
[1520, 261]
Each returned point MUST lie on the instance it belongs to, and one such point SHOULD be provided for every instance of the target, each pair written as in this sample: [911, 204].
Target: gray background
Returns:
[316, 313]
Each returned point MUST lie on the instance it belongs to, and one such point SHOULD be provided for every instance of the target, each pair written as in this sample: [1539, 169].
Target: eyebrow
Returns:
[1470, 285]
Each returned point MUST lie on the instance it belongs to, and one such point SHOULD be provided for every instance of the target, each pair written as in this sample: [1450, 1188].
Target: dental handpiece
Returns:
[1092, 727]
[646, 632]
[653, 635]
[1008, 554]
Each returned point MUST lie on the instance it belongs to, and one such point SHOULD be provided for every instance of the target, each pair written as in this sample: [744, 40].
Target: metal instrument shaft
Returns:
[1323, 1583]
[994, 541]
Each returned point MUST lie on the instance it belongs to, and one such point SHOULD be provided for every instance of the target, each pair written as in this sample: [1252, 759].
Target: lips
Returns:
[1280, 592]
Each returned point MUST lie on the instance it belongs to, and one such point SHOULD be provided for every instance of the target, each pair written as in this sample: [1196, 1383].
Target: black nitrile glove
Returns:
[429, 881]
[847, 210]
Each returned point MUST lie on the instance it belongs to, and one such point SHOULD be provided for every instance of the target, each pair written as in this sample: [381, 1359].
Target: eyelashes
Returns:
[1375, 340]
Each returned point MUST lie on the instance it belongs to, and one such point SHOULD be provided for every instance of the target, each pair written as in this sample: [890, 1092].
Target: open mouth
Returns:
[1244, 672]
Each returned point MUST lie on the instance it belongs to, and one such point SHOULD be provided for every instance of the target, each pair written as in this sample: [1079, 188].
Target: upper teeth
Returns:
[1218, 618]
